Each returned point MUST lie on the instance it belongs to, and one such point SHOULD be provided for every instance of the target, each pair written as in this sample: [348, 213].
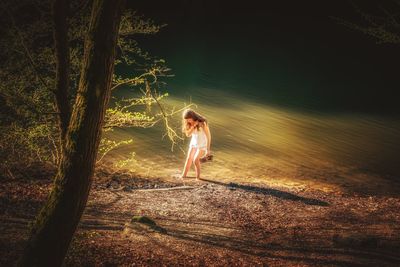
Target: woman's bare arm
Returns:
[208, 134]
[189, 131]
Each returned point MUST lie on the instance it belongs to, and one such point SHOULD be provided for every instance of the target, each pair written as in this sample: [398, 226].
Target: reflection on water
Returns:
[256, 143]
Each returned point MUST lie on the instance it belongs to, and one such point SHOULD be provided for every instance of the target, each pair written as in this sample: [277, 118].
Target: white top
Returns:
[199, 139]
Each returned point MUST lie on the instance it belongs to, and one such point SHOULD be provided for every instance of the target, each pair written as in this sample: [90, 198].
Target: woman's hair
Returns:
[191, 114]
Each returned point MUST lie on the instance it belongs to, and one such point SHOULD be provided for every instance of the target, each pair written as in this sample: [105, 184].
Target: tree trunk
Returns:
[57, 221]
[60, 11]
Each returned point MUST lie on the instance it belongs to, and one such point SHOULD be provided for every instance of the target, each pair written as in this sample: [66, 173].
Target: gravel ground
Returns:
[210, 223]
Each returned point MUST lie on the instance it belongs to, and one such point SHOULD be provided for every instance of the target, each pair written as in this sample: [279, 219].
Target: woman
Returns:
[196, 126]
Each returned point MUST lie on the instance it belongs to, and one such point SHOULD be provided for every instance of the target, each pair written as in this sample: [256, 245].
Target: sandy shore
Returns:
[211, 223]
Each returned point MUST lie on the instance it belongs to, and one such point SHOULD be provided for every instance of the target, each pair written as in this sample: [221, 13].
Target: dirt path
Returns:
[213, 223]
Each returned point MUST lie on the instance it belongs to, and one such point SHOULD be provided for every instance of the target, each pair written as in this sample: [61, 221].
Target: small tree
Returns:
[57, 71]
[39, 102]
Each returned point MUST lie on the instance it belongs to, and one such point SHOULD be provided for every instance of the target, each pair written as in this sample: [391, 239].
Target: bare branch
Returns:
[383, 29]
[153, 73]
[170, 132]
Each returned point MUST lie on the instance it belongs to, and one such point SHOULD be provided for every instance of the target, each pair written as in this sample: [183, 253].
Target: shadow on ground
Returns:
[272, 192]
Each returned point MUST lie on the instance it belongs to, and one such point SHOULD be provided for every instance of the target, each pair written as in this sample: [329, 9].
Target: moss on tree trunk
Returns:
[58, 219]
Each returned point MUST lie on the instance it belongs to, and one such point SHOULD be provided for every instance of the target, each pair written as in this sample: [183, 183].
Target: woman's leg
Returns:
[188, 162]
[200, 153]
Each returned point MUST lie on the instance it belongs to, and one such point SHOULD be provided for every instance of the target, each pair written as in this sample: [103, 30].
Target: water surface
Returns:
[261, 143]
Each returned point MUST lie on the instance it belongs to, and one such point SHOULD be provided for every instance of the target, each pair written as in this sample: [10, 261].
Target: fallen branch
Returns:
[184, 187]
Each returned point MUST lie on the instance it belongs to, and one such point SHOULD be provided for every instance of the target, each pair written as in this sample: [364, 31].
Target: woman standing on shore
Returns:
[196, 126]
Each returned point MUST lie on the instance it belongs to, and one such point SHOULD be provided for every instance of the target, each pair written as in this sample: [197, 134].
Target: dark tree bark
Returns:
[58, 219]
[60, 11]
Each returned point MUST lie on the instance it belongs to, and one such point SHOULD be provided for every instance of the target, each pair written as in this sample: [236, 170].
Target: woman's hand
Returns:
[189, 129]
[208, 153]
